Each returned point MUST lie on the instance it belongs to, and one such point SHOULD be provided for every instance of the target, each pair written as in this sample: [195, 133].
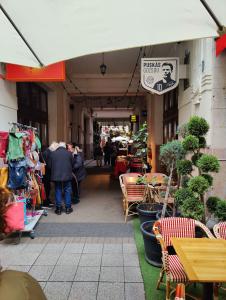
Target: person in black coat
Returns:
[61, 174]
[79, 173]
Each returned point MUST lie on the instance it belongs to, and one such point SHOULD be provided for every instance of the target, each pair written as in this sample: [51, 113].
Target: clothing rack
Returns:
[22, 126]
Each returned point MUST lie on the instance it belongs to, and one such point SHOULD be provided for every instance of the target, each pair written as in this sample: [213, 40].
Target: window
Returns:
[33, 108]
[170, 116]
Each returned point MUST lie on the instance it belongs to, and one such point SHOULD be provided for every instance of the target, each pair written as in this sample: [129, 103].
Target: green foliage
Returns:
[209, 178]
[184, 181]
[183, 130]
[208, 163]
[171, 152]
[190, 143]
[192, 208]
[195, 158]
[182, 195]
[220, 212]
[140, 141]
[202, 142]
[184, 167]
[198, 126]
[211, 204]
[198, 185]
[141, 180]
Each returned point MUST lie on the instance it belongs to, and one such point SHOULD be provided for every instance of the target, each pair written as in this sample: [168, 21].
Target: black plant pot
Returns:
[148, 211]
[153, 252]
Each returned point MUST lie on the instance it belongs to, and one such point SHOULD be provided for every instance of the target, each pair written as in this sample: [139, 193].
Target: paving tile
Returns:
[93, 248]
[131, 260]
[19, 268]
[112, 260]
[90, 260]
[112, 274]
[51, 247]
[129, 248]
[112, 248]
[73, 248]
[63, 273]
[21, 259]
[41, 273]
[110, 291]
[83, 291]
[133, 274]
[57, 290]
[42, 284]
[68, 259]
[134, 291]
[87, 274]
[47, 259]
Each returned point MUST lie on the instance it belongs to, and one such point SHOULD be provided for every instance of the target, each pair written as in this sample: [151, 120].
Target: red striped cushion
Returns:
[222, 230]
[176, 227]
[176, 270]
[135, 191]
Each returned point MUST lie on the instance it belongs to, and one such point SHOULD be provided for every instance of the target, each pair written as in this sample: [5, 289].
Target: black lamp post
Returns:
[103, 67]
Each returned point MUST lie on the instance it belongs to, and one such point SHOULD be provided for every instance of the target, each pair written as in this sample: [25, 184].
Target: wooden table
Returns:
[204, 260]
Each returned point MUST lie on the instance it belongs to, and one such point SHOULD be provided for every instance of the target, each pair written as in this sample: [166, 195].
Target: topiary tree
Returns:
[170, 153]
[190, 198]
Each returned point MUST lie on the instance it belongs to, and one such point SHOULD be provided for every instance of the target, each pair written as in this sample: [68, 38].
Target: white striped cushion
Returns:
[222, 230]
[176, 270]
[176, 227]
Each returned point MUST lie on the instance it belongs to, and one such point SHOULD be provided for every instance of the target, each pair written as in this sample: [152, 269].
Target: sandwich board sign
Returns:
[160, 75]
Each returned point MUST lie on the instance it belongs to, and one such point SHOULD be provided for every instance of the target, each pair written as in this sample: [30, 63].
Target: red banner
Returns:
[54, 72]
[220, 44]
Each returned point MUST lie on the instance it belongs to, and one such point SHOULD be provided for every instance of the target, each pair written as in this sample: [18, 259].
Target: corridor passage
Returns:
[87, 255]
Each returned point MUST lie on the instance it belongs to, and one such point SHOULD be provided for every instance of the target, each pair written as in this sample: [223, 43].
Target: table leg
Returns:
[207, 291]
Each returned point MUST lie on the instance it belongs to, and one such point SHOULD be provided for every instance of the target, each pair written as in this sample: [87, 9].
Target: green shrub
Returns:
[192, 208]
[198, 126]
[184, 181]
[182, 195]
[195, 158]
[211, 204]
[208, 163]
[171, 152]
[220, 212]
[202, 142]
[209, 178]
[183, 130]
[190, 143]
[184, 167]
[198, 185]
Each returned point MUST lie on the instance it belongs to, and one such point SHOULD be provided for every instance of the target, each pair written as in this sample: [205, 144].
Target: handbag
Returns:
[14, 217]
[4, 138]
[17, 174]
[3, 177]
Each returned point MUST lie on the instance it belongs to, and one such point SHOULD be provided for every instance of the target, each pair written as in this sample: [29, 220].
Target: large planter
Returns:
[153, 252]
[148, 211]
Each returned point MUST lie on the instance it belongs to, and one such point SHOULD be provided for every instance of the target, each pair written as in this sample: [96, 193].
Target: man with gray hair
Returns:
[61, 174]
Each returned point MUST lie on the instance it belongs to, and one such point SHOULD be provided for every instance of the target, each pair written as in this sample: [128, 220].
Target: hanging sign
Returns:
[160, 75]
[134, 118]
[54, 72]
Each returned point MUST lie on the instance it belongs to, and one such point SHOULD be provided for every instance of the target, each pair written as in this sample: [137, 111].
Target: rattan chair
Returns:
[164, 229]
[220, 230]
[157, 178]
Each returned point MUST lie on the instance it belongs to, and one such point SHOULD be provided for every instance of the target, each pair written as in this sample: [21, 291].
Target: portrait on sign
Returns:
[159, 75]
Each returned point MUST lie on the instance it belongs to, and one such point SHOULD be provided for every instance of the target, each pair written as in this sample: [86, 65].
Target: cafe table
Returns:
[204, 261]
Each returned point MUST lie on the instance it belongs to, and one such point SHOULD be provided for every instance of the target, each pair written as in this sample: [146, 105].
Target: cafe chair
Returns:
[156, 178]
[164, 229]
[220, 230]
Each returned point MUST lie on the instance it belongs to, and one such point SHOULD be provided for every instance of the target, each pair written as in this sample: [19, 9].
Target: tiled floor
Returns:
[76, 268]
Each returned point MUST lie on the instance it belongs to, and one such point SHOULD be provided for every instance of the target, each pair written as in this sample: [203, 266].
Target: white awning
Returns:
[58, 30]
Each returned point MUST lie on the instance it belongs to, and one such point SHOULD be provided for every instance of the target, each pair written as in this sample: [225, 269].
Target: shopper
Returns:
[107, 154]
[98, 154]
[113, 155]
[79, 173]
[61, 174]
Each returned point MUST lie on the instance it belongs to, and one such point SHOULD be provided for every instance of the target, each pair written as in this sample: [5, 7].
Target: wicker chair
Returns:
[166, 228]
[127, 178]
[220, 230]
[158, 178]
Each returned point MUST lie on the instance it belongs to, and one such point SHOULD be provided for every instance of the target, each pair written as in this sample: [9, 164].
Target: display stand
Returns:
[32, 221]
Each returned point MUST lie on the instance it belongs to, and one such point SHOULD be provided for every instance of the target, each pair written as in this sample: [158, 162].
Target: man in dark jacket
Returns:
[78, 171]
[61, 173]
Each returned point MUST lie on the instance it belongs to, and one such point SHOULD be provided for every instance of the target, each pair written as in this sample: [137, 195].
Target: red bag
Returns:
[4, 138]
[14, 217]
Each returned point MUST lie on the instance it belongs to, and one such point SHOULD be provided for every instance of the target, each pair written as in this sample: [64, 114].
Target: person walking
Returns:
[61, 174]
[79, 173]
[98, 154]
[107, 154]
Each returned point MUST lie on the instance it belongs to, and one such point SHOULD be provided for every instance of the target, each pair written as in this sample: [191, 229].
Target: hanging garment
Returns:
[15, 147]
[38, 143]
[17, 174]
[4, 138]
[3, 176]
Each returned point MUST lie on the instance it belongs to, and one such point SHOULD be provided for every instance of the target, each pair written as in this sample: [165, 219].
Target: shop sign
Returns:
[134, 118]
[54, 72]
[220, 44]
[160, 75]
